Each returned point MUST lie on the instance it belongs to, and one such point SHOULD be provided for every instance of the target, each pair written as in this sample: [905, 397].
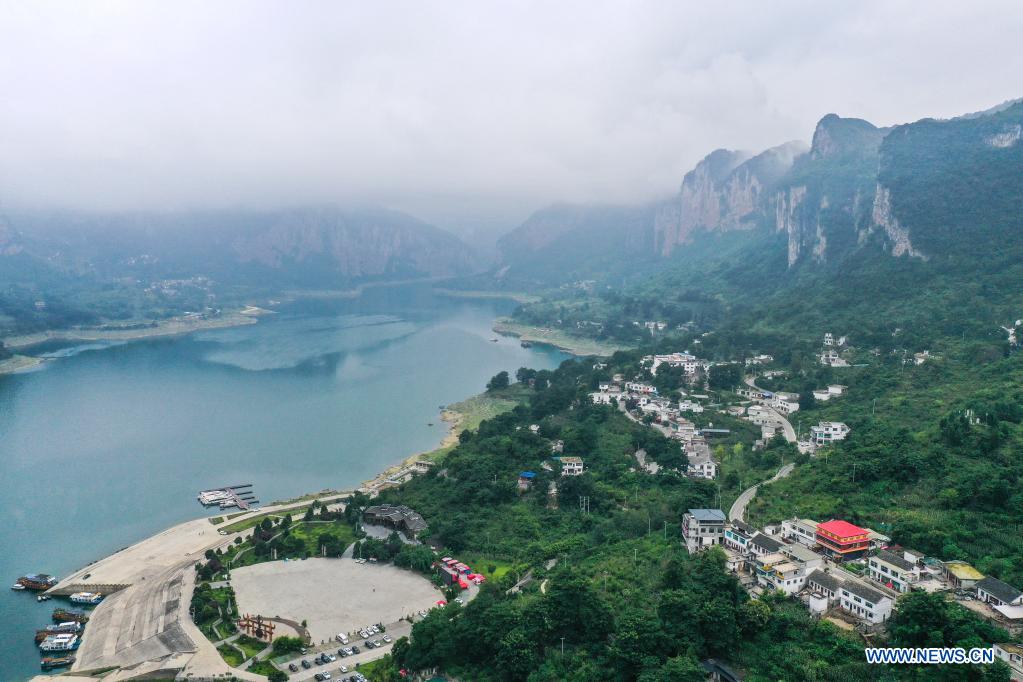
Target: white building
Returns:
[571, 466]
[702, 528]
[1012, 655]
[701, 462]
[997, 593]
[831, 358]
[687, 362]
[803, 531]
[826, 433]
[690, 406]
[921, 358]
[600, 398]
[759, 360]
[864, 602]
[786, 405]
[892, 570]
[836, 389]
[821, 395]
[640, 387]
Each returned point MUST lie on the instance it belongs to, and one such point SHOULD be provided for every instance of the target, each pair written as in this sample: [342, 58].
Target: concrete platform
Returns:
[332, 595]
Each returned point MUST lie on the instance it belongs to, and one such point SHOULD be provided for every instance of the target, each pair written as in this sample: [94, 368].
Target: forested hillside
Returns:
[613, 593]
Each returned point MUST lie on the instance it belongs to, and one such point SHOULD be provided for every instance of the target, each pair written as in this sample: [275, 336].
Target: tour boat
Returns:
[86, 597]
[65, 616]
[17, 586]
[65, 641]
[37, 581]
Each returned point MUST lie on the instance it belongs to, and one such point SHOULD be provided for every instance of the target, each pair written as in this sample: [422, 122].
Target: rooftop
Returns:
[864, 592]
[801, 553]
[826, 580]
[1001, 590]
[708, 515]
[893, 559]
[767, 543]
[963, 571]
[842, 529]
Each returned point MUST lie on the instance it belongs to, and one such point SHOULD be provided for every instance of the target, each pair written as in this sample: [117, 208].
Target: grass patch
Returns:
[217, 520]
[233, 657]
[569, 343]
[261, 668]
[483, 565]
[250, 646]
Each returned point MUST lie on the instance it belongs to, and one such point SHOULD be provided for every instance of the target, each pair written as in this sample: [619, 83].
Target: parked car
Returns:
[293, 668]
[356, 650]
[368, 644]
[343, 668]
[387, 638]
[306, 664]
[377, 643]
[318, 677]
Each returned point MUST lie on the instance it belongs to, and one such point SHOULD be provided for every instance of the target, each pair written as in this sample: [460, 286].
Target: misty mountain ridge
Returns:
[313, 246]
[898, 190]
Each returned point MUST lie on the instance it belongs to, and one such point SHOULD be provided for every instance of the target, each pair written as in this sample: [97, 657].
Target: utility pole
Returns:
[665, 530]
[562, 646]
[648, 524]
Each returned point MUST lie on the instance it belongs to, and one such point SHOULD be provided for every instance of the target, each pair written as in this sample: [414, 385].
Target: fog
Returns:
[471, 114]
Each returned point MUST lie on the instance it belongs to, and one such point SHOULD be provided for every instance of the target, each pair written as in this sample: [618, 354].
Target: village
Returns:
[842, 572]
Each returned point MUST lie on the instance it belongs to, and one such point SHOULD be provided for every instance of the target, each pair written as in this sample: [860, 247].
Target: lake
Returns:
[110, 443]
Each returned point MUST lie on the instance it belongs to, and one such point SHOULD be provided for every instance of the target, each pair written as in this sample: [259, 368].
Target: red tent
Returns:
[441, 602]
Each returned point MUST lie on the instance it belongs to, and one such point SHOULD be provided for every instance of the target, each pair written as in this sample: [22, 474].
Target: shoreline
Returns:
[573, 345]
[173, 326]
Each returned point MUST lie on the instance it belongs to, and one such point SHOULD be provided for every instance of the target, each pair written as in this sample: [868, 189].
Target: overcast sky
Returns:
[463, 113]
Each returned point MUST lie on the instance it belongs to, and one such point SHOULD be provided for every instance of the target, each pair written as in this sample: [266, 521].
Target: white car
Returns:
[344, 668]
[372, 629]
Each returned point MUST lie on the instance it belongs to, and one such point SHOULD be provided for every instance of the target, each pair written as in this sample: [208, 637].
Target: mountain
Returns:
[310, 246]
[59, 268]
[943, 190]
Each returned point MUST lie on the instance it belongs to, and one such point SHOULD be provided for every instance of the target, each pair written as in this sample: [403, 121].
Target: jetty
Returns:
[228, 496]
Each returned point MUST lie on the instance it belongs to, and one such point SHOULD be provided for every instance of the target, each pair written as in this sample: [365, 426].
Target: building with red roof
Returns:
[843, 540]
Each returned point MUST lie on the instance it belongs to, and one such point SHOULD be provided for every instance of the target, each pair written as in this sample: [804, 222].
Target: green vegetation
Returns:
[232, 656]
[250, 646]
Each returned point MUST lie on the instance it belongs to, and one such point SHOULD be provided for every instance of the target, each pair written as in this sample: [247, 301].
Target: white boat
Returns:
[62, 642]
[17, 586]
[86, 597]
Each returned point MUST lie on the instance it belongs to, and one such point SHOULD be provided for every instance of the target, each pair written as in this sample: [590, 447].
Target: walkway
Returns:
[738, 510]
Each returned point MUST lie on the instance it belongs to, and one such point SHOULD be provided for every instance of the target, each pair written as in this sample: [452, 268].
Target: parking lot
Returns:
[331, 595]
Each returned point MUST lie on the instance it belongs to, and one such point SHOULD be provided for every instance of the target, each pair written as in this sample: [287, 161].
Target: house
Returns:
[829, 339]
[640, 387]
[776, 572]
[824, 583]
[702, 528]
[921, 358]
[421, 466]
[807, 559]
[864, 602]
[821, 395]
[737, 536]
[842, 540]
[735, 410]
[960, 574]
[761, 544]
[599, 398]
[701, 462]
[826, 433]
[398, 517]
[836, 389]
[1012, 655]
[786, 403]
[997, 593]
[526, 479]
[558, 446]
[609, 387]
[690, 406]
[534, 428]
[759, 360]
[831, 358]
[892, 570]
[571, 466]
[687, 362]
[803, 531]
[761, 415]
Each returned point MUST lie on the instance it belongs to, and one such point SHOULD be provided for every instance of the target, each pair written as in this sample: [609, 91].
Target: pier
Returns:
[228, 496]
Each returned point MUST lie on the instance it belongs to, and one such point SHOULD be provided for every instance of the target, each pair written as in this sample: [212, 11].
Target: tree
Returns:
[722, 377]
[286, 645]
[277, 676]
[498, 381]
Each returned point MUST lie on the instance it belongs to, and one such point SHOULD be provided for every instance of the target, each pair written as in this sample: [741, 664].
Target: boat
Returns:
[51, 662]
[69, 626]
[43, 597]
[86, 597]
[37, 581]
[17, 586]
[493, 340]
[526, 344]
[65, 641]
[66, 616]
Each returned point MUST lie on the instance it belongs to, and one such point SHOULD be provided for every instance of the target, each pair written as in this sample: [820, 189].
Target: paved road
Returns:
[786, 425]
[738, 510]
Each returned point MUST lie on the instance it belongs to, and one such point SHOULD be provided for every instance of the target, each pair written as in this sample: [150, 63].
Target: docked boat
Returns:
[86, 597]
[17, 586]
[66, 616]
[37, 581]
[43, 597]
[73, 627]
[526, 344]
[53, 662]
[65, 641]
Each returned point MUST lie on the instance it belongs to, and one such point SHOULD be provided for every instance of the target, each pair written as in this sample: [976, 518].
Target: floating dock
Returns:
[228, 496]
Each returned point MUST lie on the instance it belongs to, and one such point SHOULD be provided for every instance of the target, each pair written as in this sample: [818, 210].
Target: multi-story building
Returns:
[776, 571]
[826, 433]
[571, 466]
[803, 531]
[737, 536]
[892, 570]
[826, 584]
[864, 602]
[702, 528]
[842, 540]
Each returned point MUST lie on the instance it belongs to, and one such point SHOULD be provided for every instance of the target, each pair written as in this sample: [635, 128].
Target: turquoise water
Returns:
[111, 443]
